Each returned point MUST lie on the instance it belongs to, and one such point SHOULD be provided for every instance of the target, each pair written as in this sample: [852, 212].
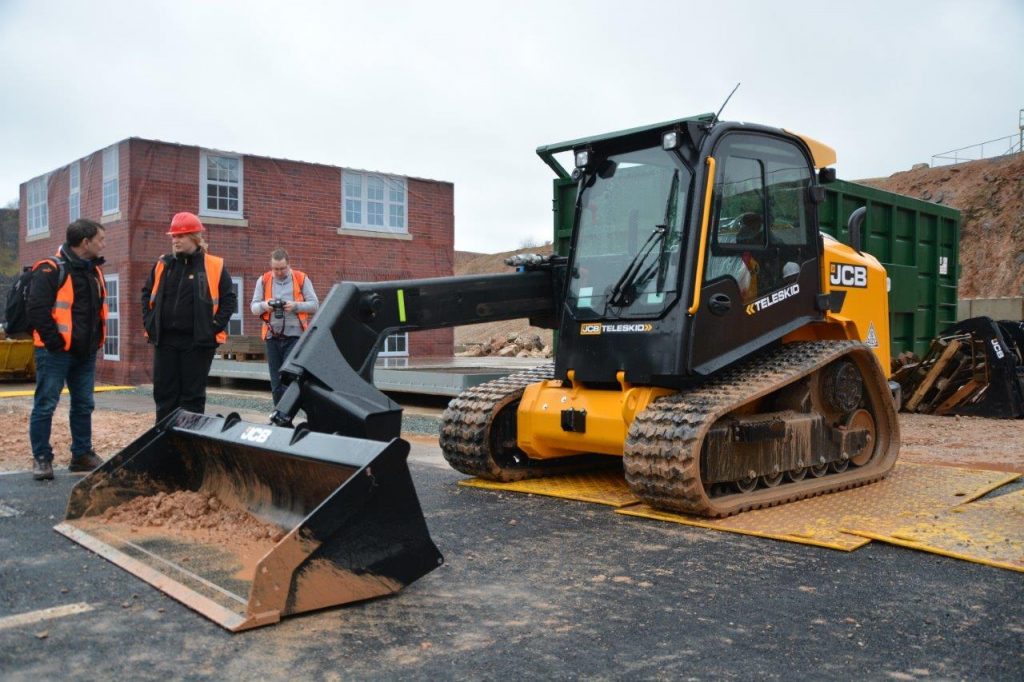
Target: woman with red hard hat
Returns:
[186, 305]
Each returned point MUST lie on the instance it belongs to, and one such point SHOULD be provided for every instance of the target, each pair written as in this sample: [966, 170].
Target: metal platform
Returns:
[428, 376]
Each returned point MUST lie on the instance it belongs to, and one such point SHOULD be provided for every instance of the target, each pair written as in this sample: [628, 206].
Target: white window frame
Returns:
[394, 203]
[204, 181]
[113, 313]
[74, 192]
[37, 195]
[401, 338]
[111, 177]
[237, 315]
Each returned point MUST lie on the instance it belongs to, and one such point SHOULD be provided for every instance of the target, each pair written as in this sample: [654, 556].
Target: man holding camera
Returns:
[284, 299]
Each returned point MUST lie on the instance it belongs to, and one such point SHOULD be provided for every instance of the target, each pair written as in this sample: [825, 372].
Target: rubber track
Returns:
[466, 423]
[663, 446]
[465, 436]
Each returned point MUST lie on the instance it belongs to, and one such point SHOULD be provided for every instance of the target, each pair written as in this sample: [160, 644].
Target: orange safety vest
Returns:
[214, 267]
[61, 310]
[298, 279]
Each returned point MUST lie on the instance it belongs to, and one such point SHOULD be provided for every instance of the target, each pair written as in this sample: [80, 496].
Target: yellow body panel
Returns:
[705, 217]
[822, 154]
[865, 312]
[608, 416]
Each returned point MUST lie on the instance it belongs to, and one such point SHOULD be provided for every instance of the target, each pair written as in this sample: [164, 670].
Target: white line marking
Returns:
[44, 614]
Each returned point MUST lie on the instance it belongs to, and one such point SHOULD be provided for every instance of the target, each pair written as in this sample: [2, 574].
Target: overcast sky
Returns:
[466, 91]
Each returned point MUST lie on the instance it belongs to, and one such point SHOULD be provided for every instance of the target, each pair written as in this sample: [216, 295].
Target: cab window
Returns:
[760, 222]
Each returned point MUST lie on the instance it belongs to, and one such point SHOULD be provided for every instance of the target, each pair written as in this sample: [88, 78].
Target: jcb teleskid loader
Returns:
[708, 335]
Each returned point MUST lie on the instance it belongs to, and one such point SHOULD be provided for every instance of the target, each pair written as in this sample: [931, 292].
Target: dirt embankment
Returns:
[990, 197]
[496, 334]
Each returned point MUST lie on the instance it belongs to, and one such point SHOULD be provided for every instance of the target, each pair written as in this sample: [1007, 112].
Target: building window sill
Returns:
[110, 218]
[230, 222]
[373, 234]
[38, 236]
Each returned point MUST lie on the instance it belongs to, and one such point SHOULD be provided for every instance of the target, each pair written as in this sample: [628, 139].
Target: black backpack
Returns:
[17, 298]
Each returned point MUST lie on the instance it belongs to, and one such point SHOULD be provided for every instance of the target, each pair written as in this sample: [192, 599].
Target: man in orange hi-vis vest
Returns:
[186, 305]
[67, 310]
[285, 300]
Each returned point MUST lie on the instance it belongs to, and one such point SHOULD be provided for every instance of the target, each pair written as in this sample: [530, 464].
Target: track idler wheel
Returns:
[862, 419]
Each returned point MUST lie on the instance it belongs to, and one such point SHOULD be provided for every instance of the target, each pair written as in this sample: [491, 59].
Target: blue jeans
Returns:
[53, 370]
[277, 351]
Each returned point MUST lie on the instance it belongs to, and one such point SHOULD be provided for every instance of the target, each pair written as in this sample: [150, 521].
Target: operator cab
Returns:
[632, 302]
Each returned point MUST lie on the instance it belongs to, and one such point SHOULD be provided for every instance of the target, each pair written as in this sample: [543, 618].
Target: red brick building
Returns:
[336, 223]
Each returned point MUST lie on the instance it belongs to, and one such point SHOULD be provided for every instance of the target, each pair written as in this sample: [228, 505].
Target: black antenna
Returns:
[725, 102]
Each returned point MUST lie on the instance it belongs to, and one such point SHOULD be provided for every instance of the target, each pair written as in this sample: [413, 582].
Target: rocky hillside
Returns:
[990, 197]
[494, 335]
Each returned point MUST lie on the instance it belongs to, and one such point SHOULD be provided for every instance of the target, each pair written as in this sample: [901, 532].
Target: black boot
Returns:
[42, 471]
[86, 462]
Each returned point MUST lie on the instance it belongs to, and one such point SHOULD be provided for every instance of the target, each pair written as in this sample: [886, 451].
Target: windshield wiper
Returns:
[622, 293]
[671, 206]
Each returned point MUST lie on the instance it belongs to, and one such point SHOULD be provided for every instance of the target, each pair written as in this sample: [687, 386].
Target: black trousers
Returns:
[179, 379]
[277, 352]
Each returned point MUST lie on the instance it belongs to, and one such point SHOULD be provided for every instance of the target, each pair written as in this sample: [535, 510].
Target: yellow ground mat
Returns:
[989, 532]
[98, 389]
[837, 521]
[603, 487]
[909, 492]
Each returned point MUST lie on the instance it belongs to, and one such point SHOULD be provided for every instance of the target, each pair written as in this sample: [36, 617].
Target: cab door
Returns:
[761, 273]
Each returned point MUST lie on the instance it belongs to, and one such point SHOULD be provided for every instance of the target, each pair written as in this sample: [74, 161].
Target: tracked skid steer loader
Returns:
[711, 341]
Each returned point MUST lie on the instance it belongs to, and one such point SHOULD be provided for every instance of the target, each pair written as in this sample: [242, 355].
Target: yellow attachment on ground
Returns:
[831, 520]
[606, 487]
[17, 359]
[989, 532]
[604, 416]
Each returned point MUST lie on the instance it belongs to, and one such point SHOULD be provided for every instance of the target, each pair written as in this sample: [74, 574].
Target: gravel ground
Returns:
[532, 589]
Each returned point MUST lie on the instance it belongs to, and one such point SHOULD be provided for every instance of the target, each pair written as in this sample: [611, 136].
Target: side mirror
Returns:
[854, 225]
[826, 175]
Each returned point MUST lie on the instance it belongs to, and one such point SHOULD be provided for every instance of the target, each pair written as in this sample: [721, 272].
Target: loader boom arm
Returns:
[329, 373]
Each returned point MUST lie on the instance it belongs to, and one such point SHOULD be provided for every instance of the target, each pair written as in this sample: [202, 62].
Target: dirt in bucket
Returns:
[197, 531]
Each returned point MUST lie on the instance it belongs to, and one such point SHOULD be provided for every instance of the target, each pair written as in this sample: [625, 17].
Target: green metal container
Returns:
[918, 242]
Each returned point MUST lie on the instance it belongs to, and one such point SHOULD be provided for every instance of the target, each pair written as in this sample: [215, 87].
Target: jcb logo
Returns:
[590, 328]
[254, 434]
[846, 275]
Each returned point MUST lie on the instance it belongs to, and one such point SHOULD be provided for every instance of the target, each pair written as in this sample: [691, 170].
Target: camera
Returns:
[277, 305]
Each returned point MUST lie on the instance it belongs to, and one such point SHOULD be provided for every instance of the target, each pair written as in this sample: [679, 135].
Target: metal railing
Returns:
[1011, 144]
[998, 147]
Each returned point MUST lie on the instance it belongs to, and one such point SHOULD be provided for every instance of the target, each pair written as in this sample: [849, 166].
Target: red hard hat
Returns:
[185, 223]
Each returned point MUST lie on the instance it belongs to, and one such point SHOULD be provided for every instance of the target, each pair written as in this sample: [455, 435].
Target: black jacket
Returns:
[86, 325]
[182, 314]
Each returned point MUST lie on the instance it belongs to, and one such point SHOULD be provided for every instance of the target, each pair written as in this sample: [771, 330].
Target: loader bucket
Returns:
[275, 521]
